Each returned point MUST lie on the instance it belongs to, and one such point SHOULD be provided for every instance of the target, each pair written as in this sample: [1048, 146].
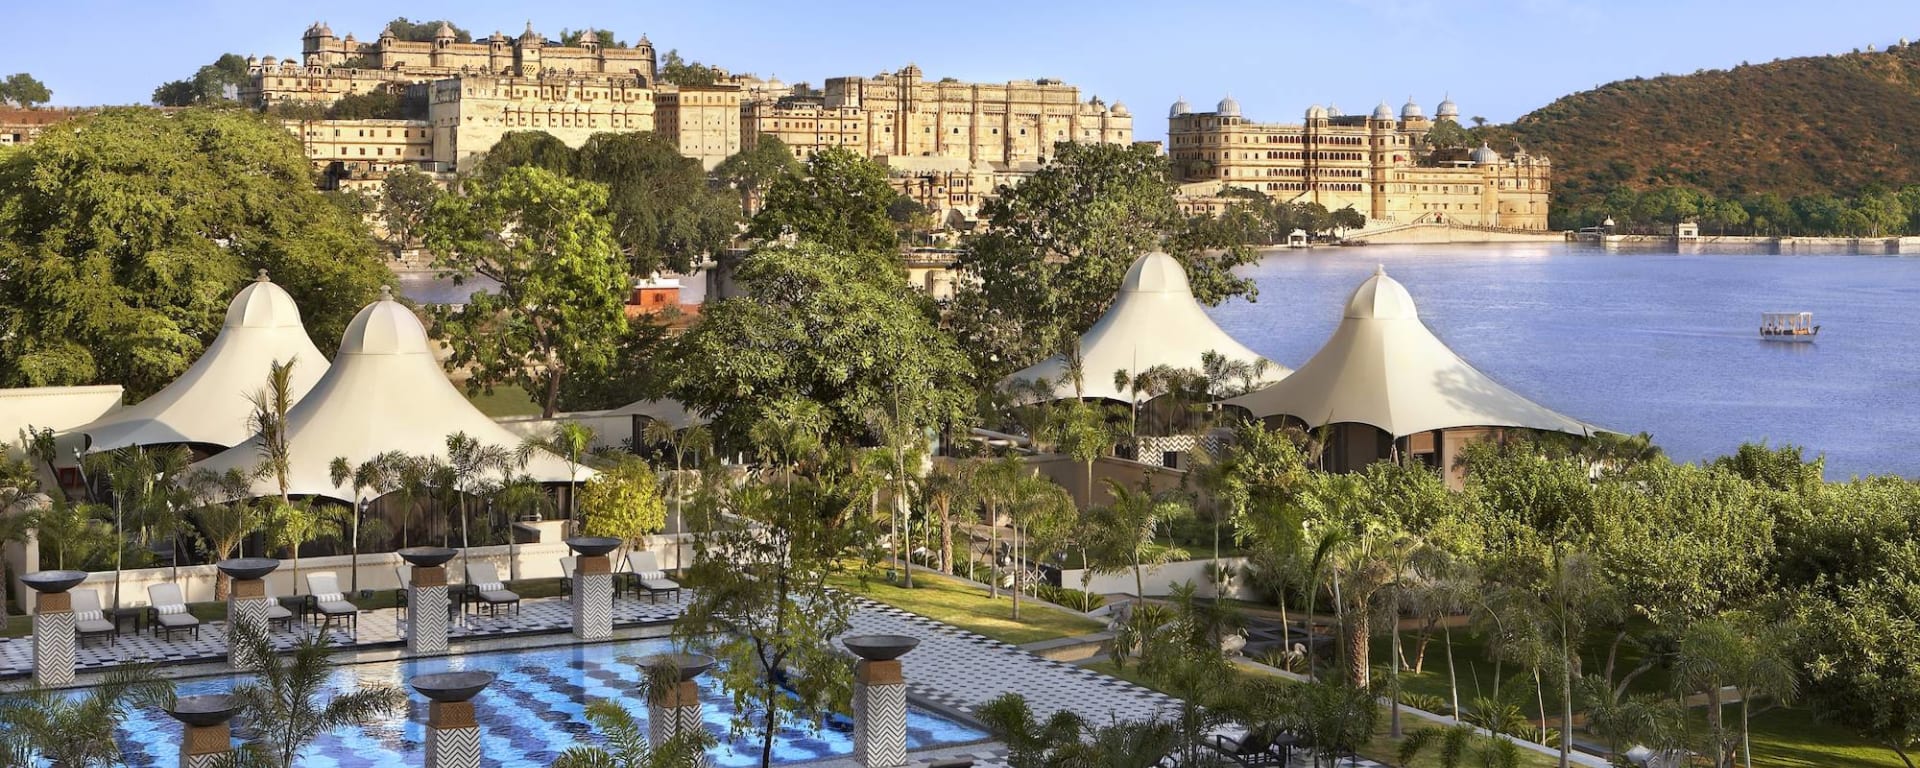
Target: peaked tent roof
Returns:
[1153, 321]
[385, 392]
[208, 404]
[672, 412]
[1383, 367]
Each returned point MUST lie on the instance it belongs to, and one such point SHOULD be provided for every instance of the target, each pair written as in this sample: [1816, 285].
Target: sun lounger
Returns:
[567, 565]
[277, 612]
[89, 620]
[485, 588]
[405, 575]
[1258, 748]
[168, 612]
[648, 577]
[329, 603]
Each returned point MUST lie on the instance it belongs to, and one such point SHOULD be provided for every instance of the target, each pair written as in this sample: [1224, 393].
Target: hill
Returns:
[1825, 124]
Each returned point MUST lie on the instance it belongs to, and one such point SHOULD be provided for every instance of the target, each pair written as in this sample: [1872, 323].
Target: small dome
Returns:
[1156, 272]
[319, 29]
[1411, 111]
[589, 36]
[385, 327]
[1484, 155]
[1228, 107]
[269, 61]
[387, 34]
[1119, 109]
[1447, 108]
[1383, 112]
[1179, 108]
[445, 32]
[1381, 298]
[1316, 112]
[529, 35]
[252, 60]
[263, 305]
[1333, 110]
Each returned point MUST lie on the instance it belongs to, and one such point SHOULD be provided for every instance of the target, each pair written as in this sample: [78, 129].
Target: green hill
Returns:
[1793, 127]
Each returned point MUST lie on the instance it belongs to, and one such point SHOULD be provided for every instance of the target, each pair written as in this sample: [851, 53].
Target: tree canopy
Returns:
[424, 31]
[839, 200]
[125, 234]
[208, 85]
[751, 170]
[679, 71]
[23, 90]
[664, 213]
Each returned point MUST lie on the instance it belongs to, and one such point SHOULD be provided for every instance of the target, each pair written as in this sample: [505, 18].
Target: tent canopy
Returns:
[1383, 367]
[671, 412]
[1154, 321]
[385, 392]
[209, 403]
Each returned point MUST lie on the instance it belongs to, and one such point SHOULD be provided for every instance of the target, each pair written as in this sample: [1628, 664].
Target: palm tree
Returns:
[627, 745]
[570, 440]
[996, 482]
[414, 481]
[1734, 650]
[369, 475]
[288, 704]
[1325, 549]
[224, 515]
[1040, 504]
[268, 421]
[291, 526]
[1029, 741]
[948, 486]
[39, 444]
[1461, 746]
[692, 440]
[68, 732]
[468, 460]
[1081, 431]
[1125, 533]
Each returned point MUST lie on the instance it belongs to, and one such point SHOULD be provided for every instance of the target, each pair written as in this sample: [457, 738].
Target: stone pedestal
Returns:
[879, 714]
[593, 597]
[53, 639]
[427, 610]
[453, 734]
[675, 712]
[247, 604]
[206, 740]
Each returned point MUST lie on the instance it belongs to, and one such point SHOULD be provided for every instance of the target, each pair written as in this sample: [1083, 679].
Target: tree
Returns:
[569, 440]
[210, 84]
[840, 202]
[948, 487]
[425, 30]
[77, 731]
[77, 536]
[818, 325]
[605, 37]
[22, 90]
[519, 149]
[1461, 746]
[268, 421]
[681, 72]
[1057, 246]
[370, 475]
[664, 213]
[287, 704]
[292, 525]
[1863, 668]
[224, 515]
[1080, 429]
[406, 196]
[627, 745]
[1447, 134]
[545, 240]
[751, 170]
[1348, 218]
[623, 502]
[469, 462]
[1029, 741]
[1125, 533]
[95, 295]
[381, 104]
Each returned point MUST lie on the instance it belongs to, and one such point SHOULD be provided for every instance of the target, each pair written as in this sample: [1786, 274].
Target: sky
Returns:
[1498, 59]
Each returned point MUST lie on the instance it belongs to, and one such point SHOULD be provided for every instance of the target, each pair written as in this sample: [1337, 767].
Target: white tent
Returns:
[385, 392]
[671, 412]
[1153, 321]
[1384, 368]
[208, 404]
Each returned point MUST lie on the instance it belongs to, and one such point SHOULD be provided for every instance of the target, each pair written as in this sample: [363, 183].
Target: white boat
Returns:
[1788, 326]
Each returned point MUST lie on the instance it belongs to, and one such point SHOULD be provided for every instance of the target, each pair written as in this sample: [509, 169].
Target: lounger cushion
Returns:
[492, 586]
[498, 596]
[277, 611]
[83, 616]
[170, 610]
[652, 575]
[94, 626]
[177, 620]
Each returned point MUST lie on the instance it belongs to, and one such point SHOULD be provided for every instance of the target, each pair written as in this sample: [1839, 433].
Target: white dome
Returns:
[1119, 109]
[263, 305]
[1316, 112]
[1383, 112]
[1333, 110]
[1484, 155]
[1381, 298]
[1411, 111]
[385, 327]
[1156, 273]
[1179, 108]
[1228, 107]
[1447, 109]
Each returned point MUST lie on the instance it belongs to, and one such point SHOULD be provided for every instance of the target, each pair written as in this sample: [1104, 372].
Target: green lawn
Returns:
[969, 608]
[505, 401]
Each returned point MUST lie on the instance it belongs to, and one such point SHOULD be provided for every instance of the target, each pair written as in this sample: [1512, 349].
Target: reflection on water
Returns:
[1662, 342]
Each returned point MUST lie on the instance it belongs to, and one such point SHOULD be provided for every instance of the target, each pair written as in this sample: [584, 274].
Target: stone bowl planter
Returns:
[451, 686]
[54, 582]
[593, 546]
[202, 711]
[247, 568]
[427, 557]
[691, 665]
[880, 647]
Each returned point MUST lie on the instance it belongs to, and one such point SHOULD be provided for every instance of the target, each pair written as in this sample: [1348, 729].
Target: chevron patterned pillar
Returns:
[879, 714]
[675, 712]
[427, 610]
[247, 604]
[453, 734]
[53, 639]
[206, 740]
[593, 597]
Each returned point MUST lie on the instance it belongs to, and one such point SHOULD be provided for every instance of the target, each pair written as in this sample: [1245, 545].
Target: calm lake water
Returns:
[1640, 340]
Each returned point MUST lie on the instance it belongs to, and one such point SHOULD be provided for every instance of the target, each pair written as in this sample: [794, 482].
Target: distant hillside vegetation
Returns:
[1791, 127]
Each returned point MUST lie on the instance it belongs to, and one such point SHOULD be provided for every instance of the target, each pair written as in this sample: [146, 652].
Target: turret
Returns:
[526, 52]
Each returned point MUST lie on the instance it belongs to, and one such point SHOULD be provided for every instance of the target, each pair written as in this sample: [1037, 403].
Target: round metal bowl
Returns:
[451, 686]
[205, 710]
[593, 546]
[54, 582]
[246, 568]
[427, 557]
[880, 647]
[691, 665]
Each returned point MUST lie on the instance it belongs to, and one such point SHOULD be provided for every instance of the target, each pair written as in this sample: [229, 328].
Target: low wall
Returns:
[1072, 475]
[1158, 581]
[608, 431]
[377, 571]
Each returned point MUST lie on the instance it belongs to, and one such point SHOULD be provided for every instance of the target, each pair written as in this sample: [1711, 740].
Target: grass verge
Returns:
[969, 608]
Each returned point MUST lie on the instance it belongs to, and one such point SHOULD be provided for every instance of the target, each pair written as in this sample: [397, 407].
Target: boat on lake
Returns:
[1788, 326]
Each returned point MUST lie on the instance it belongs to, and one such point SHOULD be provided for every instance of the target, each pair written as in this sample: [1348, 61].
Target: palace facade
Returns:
[1381, 164]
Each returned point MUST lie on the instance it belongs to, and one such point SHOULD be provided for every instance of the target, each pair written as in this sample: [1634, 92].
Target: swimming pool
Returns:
[532, 713]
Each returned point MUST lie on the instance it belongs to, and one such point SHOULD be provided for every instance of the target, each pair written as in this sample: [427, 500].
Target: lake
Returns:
[1644, 340]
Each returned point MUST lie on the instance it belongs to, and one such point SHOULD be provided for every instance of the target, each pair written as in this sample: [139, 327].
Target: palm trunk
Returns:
[1453, 676]
[1540, 700]
[1716, 723]
[993, 552]
[1566, 694]
[946, 537]
[1393, 673]
[1019, 572]
[1746, 736]
[1359, 646]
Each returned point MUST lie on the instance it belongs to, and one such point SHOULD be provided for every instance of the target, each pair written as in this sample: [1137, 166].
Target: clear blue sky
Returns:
[1498, 58]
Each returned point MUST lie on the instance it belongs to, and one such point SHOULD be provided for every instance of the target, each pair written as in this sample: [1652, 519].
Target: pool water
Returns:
[531, 714]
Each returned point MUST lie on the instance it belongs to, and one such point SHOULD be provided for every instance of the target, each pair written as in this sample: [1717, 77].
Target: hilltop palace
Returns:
[944, 143]
[1372, 163]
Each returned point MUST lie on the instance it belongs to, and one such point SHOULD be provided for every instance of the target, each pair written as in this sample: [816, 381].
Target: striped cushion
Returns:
[331, 597]
[653, 575]
[492, 586]
[169, 610]
[89, 616]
